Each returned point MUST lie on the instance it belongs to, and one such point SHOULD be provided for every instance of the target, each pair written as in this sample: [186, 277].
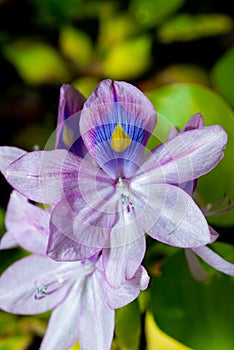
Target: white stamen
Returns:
[122, 189]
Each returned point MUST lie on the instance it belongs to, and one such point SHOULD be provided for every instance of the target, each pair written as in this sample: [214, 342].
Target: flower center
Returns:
[122, 189]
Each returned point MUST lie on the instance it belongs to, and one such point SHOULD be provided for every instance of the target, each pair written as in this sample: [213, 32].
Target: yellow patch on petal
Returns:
[68, 136]
[119, 140]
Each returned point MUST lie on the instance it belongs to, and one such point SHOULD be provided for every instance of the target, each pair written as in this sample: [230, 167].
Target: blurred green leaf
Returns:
[9, 256]
[18, 332]
[8, 324]
[54, 12]
[128, 59]
[85, 85]
[156, 253]
[128, 326]
[36, 62]
[223, 76]
[2, 222]
[154, 12]
[200, 315]
[32, 325]
[76, 45]
[20, 342]
[116, 28]
[186, 27]
[176, 104]
[32, 136]
[182, 73]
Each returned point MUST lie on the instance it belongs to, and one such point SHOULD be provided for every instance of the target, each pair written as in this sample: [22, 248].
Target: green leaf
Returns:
[176, 104]
[20, 342]
[9, 256]
[128, 326]
[186, 27]
[128, 59]
[54, 12]
[2, 222]
[200, 315]
[154, 12]
[76, 45]
[223, 76]
[8, 323]
[32, 136]
[36, 62]
[181, 73]
[85, 85]
[115, 29]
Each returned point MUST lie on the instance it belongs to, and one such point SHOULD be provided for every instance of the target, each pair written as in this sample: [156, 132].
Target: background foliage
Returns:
[180, 53]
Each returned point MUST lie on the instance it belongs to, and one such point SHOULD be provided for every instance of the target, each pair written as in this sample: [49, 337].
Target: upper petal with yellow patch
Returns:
[116, 122]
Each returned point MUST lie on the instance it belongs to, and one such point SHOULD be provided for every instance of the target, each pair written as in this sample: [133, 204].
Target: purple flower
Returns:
[112, 200]
[82, 300]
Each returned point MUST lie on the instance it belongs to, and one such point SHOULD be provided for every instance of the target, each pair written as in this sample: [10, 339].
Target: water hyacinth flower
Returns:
[83, 303]
[108, 198]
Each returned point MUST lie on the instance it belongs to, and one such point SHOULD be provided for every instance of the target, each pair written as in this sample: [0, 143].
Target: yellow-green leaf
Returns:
[116, 28]
[36, 62]
[20, 342]
[85, 85]
[186, 27]
[153, 12]
[128, 326]
[156, 339]
[76, 45]
[181, 73]
[128, 59]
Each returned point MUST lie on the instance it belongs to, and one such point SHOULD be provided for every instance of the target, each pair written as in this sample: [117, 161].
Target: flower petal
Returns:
[85, 216]
[214, 234]
[19, 283]
[28, 224]
[62, 330]
[9, 155]
[186, 157]
[169, 215]
[44, 176]
[68, 132]
[189, 186]
[79, 229]
[96, 321]
[116, 122]
[196, 122]
[7, 241]
[128, 291]
[122, 261]
[195, 267]
[62, 248]
[214, 260]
